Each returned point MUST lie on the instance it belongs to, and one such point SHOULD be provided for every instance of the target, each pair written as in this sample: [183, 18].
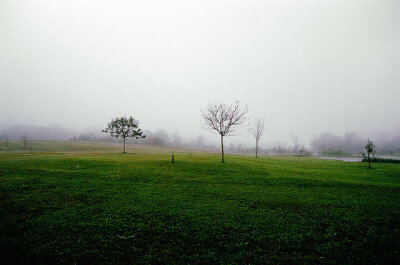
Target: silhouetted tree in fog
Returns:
[176, 138]
[5, 139]
[198, 142]
[24, 138]
[224, 120]
[370, 147]
[257, 131]
[38, 132]
[329, 144]
[162, 136]
[124, 127]
[295, 139]
[159, 137]
[326, 142]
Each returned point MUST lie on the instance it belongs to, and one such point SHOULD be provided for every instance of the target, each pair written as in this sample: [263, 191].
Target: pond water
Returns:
[354, 159]
[345, 159]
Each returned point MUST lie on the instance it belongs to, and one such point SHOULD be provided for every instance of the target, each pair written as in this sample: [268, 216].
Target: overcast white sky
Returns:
[304, 66]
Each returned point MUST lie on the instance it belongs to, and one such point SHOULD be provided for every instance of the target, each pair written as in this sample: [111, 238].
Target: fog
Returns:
[305, 67]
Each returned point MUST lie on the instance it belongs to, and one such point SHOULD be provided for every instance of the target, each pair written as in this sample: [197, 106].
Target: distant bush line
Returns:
[381, 160]
[336, 153]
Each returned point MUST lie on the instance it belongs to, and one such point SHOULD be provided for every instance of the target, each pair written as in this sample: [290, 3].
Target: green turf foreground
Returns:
[94, 208]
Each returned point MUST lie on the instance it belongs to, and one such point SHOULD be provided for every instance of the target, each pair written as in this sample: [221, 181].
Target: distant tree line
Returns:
[326, 143]
[37, 132]
[351, 143]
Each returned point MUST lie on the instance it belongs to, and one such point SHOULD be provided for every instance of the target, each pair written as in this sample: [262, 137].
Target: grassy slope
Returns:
[71, 207]
[79, 146]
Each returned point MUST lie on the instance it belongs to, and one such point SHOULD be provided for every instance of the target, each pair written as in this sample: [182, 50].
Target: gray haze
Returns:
[304, 66]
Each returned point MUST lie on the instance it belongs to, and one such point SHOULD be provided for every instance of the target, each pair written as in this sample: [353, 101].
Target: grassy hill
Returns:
[88, 204]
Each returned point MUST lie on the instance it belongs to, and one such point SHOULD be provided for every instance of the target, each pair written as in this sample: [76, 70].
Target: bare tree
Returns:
[257, 131]
[176, 139]
[296, 143]
[24, 138]
[5, 139]
[224, 120]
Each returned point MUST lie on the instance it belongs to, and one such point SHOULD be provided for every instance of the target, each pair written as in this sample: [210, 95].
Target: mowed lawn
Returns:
[139, 208]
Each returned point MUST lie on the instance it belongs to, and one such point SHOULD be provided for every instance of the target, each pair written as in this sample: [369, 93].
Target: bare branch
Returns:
[257, 132]
[25, 139]
[258, 129]
[224, 120]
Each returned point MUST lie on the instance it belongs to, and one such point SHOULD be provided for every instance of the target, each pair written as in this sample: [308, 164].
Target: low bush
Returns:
[381, 160]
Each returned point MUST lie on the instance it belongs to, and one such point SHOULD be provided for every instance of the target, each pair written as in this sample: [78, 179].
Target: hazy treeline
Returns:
[351, 143]
[325, 143]
[389, 145]
[328, 143]
[159, 137]
[274, 149]
[37, 132]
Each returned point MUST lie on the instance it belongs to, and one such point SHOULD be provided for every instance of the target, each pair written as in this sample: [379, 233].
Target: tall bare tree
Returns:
[5, 139]
[223, 120]
[257, 131]
[295, 139]
[24, 138]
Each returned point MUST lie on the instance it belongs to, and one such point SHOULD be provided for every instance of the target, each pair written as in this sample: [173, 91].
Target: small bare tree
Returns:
[370, 147]
[224, 120]
[5, 139]
[296, 143]
[257, 131]
[24, 138]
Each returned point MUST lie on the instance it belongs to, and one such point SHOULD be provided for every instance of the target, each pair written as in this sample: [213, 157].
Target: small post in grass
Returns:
[173, 158]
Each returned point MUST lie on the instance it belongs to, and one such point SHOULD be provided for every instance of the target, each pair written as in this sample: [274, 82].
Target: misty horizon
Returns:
[304, 68]
[348, 143]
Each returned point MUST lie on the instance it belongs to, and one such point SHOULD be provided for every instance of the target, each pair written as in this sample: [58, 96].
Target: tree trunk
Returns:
[222, 148]
[369, 161]
[257, 149]
[124, 145]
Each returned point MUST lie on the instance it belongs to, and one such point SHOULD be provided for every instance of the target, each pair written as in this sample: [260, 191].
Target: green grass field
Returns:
[89, 204]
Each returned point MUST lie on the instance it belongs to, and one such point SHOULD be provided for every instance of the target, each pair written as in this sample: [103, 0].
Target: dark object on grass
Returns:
[173, 158]
[125, 237]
